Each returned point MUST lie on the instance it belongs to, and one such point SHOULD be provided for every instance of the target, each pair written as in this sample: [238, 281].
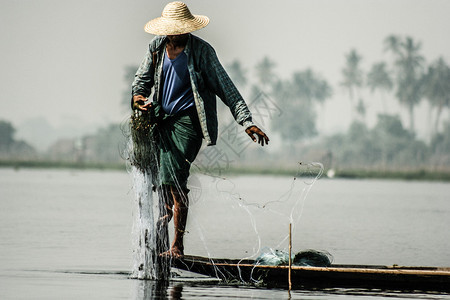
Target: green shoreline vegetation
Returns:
[40, 164]
[366, 173]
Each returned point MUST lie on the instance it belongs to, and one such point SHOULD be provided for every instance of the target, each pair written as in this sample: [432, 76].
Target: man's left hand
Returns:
[262, 137]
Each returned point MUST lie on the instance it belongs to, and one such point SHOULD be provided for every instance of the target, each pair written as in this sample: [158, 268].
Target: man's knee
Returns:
[172, 194]
[180, 196]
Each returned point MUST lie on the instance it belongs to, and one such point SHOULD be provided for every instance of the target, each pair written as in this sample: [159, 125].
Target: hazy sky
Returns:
[64, 60]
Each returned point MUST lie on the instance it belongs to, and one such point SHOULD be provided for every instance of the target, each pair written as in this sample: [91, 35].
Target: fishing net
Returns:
[254, 223]
[149, 234]
[143, 154]
[313, 258]
[305, 258]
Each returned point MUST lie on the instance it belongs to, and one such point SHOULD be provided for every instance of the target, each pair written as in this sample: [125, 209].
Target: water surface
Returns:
[65, 234]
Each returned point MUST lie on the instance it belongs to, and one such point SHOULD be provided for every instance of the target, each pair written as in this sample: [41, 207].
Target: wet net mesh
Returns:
[149, 232]
[304, 258]
[264, 221]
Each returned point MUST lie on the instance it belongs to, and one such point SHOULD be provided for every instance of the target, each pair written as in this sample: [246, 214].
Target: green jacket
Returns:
[208, 79]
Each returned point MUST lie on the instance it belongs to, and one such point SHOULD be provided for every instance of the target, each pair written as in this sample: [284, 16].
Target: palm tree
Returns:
[298, 120]
[265, 72]
[237, 73]
[352, 75]
[410, 78]
[409, 73]
[361, 108]
[437, 88]
[392, 43]
[379, 79]
[297, 98]
[313, 88]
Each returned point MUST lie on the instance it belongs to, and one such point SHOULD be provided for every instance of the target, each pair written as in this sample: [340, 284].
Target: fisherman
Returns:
[186, 76]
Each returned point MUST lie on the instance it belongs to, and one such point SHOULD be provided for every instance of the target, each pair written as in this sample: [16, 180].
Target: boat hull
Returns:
[372, 277]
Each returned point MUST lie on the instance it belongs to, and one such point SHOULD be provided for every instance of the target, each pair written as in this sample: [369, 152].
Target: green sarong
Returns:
[180, 142]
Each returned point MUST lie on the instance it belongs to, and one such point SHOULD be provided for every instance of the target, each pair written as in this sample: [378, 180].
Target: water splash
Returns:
[149, 234]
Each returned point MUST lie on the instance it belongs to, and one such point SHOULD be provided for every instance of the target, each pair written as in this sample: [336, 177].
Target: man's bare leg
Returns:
[167, 213]
[180, 213]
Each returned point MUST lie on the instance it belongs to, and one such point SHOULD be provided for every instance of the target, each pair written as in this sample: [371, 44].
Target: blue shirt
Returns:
[177, 92]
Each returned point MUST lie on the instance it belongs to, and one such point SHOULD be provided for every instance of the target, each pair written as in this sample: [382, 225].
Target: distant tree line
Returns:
[408, 77]
[10, 147]
[106, 146]
[389, 144]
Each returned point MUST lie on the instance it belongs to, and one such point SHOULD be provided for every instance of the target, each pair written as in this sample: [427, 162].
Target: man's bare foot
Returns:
[173, 252]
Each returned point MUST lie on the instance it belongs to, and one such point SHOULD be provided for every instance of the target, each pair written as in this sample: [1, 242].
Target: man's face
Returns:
[178, 39]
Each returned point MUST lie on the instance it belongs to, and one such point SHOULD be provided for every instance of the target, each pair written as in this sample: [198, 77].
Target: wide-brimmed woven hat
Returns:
[176, 19]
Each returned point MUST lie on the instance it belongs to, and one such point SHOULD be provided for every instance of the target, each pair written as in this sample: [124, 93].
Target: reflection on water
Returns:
[176, 291]
[150, 289]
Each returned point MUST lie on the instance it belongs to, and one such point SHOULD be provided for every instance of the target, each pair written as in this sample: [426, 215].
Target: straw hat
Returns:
[176, 19]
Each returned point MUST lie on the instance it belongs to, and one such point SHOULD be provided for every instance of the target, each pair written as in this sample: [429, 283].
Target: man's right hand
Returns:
[139, 103]
[262, 137]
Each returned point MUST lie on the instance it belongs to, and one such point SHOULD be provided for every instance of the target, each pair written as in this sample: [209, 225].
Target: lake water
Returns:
[66, 234]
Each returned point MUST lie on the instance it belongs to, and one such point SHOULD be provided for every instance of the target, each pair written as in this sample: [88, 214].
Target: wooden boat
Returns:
[372, 277]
